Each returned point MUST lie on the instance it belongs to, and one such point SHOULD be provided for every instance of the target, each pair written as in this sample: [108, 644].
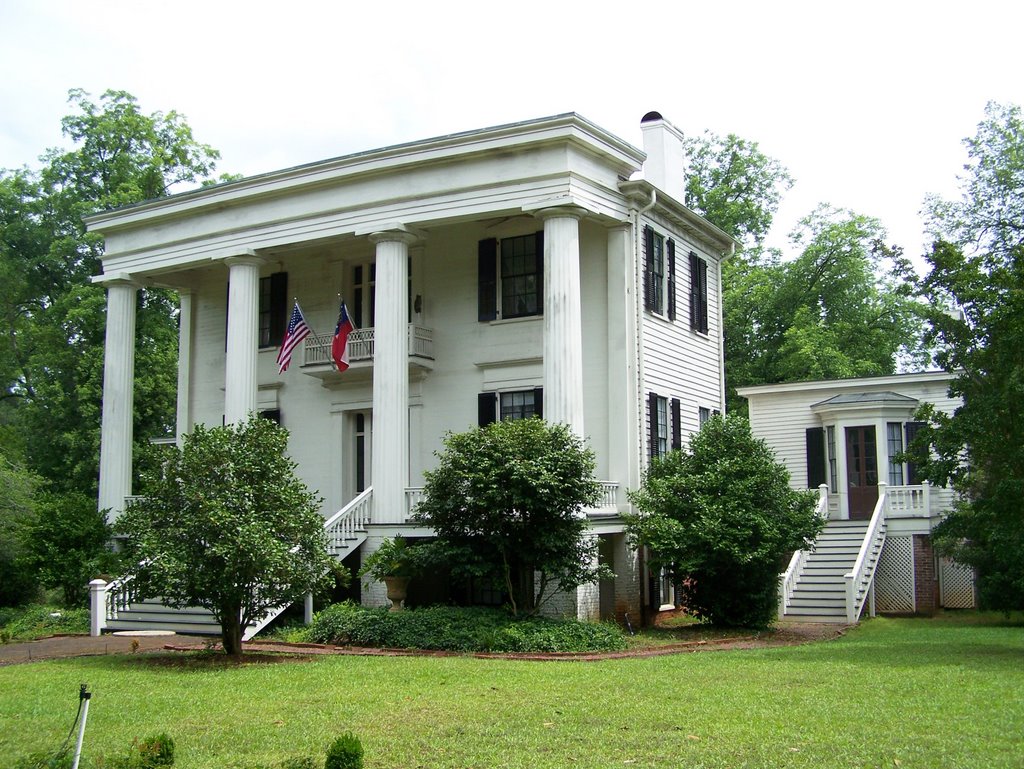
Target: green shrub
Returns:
[346, 752]
[37, 621]
[451, 628]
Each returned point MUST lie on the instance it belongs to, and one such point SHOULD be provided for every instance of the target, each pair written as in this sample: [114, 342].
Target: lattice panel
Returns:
[956, 585]
[894, 577]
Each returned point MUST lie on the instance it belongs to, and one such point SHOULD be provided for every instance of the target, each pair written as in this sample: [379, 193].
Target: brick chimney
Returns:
[665, 166]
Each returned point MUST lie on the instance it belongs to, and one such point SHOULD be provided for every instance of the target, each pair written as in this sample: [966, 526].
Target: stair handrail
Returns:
[351, 518]
[788, 579]
[857, 576]
[342, 526]
[109, 598]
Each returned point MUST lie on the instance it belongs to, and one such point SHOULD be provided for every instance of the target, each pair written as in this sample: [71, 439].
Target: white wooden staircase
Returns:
[834, 580]
[116, 607]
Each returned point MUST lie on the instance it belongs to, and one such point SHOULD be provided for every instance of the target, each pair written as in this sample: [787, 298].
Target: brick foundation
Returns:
[926, 580]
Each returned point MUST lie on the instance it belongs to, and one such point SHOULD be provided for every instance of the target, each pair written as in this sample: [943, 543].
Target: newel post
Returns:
[97, 606]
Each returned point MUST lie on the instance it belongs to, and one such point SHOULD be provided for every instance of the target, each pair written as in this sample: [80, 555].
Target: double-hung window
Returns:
[512, 404]
[511, 277]
[659, 274]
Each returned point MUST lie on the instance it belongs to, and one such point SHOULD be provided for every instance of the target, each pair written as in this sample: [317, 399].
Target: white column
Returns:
[240, 384]
[623, 454]
[563, 327]
[389, 457]
[118, 388]
[184, 414]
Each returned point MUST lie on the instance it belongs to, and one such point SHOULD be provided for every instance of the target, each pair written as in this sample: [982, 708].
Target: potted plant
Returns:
[391, 564]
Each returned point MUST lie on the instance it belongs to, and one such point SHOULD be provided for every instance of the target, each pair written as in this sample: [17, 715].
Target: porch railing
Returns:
[860, 581]
[788, 580]
[608, 499]
[317, 347]
[907, 501]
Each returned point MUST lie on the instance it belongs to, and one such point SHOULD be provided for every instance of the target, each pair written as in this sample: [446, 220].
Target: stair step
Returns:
[817, 611]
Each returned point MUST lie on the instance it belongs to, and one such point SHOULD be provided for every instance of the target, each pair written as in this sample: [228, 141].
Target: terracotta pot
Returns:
[396, 591]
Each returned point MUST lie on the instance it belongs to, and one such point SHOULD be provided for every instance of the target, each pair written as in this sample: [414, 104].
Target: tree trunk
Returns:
[231, 632]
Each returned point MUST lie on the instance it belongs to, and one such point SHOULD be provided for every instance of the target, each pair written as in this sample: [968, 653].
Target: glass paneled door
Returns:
[861, 470]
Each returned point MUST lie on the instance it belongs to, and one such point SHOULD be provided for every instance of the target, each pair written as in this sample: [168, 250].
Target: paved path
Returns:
[86, 646]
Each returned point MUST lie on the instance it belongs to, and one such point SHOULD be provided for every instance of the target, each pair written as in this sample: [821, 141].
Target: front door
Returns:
[861, 470]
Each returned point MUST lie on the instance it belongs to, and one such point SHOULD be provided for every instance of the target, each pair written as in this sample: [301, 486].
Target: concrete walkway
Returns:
[86, 646]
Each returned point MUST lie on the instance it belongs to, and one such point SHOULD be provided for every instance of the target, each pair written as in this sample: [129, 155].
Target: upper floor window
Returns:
[363, 309]
[273, 311]
[659, 274]
[698, 294]
[511, 277]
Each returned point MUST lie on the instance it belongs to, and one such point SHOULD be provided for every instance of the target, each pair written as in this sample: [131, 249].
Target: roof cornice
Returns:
[565, 128]
[827, 384]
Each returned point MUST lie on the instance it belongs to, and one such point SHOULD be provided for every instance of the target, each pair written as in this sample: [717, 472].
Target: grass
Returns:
[891, 693]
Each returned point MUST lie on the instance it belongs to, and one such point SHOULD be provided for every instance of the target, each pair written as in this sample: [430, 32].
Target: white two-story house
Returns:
[544, 267]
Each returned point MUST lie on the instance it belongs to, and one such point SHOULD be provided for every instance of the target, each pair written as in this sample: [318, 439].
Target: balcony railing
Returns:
[317, 347]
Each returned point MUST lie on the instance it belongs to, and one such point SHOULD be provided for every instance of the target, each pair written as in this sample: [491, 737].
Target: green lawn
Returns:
[892, 693]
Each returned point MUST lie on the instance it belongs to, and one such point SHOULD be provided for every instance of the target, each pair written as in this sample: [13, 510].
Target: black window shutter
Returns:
[486, 408]
[538, 401]
[677, 428]
[694, 291]
[540, 272]
[278, 307]
[654, 589]
[910, 430]
[671, 280]
[702, 292]
[652, 413]
[487, 275]
[650, 290]
[815, 457]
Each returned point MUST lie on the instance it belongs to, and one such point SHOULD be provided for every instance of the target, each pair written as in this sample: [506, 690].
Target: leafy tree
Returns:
[69, 545]
[975, 294]
[841, 308]
[721, 518]
[506, 500]
[51, 355]
[227, 525]
[734, 185]
[17, 515]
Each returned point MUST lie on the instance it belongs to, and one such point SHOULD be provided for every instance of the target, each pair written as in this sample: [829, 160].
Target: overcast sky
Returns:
[866, 103]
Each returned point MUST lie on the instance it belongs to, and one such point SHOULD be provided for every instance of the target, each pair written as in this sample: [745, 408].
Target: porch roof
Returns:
[885, 398]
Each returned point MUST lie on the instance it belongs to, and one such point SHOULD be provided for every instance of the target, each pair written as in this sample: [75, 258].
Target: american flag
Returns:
[297, 331]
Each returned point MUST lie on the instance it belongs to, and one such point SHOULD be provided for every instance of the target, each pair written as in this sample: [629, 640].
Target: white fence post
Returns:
[97, 606]
[307, 609]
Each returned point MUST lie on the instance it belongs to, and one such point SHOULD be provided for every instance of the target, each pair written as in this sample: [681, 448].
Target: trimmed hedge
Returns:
[451, 628]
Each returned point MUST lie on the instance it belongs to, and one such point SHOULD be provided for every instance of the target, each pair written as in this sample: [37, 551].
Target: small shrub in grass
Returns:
[346, 752]
[150, 753]
[44, 761]
[451, 628]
